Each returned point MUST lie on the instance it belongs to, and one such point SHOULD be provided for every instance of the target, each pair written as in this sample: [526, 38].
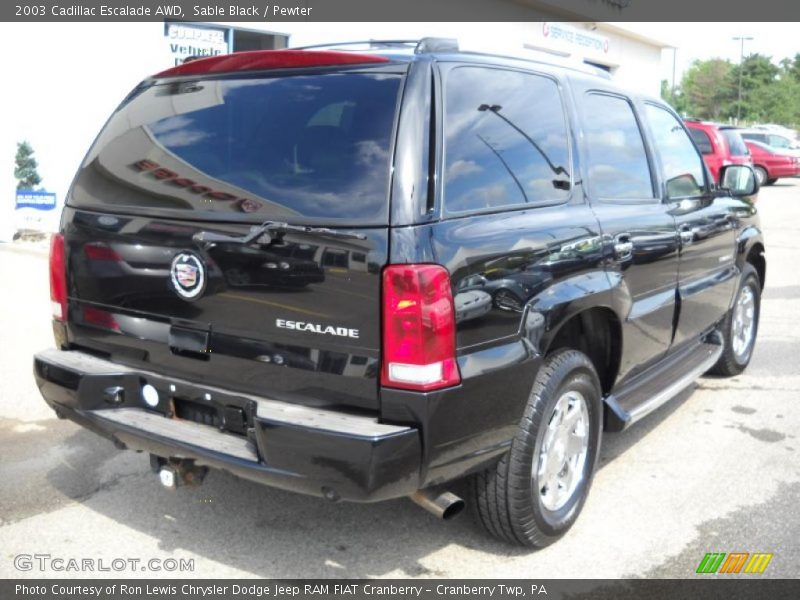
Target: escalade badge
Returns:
[316, 328]
[188, 276]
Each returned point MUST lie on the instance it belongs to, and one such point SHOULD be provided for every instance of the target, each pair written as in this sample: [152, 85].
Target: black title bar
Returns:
[400, 10]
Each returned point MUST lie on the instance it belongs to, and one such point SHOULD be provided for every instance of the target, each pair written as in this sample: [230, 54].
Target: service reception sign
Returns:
[36, 211]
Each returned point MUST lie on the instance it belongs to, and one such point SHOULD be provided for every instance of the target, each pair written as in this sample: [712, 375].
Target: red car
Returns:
[720, 145]
[770, 164]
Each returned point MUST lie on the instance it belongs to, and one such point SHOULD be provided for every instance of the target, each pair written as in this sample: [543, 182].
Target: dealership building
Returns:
[68, 77]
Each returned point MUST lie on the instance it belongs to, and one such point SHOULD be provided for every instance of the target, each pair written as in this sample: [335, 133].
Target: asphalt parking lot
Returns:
[715, 470]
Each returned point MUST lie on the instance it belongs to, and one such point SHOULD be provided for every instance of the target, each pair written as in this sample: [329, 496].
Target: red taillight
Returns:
[58, 278]
[101, 318]
[269, 59]
[419, 329]
[100, 251]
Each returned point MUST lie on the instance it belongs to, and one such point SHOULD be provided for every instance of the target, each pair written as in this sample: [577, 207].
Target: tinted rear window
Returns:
[618, 165]
[505, 140]
[702, 140]
[296, 148]
[735, 142]
[758, 137]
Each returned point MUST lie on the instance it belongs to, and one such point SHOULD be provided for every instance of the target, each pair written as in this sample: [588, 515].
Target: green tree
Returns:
[673, 97]
[25, 167]
[791, 67]
[777, 102]
[708, 89]
[758, 74]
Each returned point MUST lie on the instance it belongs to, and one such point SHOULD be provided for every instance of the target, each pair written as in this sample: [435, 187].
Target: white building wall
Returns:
[64, 80]
[639, 65]
[61, 82]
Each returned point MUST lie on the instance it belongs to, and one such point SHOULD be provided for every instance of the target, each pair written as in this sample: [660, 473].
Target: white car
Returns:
[780, 142]
[779, 129]
[471, 305]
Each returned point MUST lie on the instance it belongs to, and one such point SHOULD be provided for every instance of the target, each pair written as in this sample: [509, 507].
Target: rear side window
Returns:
[617, 161]
[758, 137]
[683, 168]
[736, 144]
[506, 140]
[702, 140]
[778, 141]
[297, 148]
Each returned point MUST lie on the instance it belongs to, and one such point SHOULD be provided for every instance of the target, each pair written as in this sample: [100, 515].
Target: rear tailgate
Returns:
[291, 314]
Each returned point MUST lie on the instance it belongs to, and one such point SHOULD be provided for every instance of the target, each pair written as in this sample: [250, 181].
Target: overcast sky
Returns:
[709, 40]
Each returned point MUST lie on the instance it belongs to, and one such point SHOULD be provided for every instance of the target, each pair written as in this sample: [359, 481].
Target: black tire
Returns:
[505, 299]
[507, 496]
[732, 363]
[761, 175]
[771, 181]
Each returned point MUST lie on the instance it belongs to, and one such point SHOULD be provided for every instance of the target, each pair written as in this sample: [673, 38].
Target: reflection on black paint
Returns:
[505, 139]
[301, 147]
[251, 266]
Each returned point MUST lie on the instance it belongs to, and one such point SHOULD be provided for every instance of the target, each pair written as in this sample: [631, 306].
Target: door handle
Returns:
[623, 246]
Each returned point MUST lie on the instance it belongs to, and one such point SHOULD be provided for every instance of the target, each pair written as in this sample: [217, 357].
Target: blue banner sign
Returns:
[37, 200]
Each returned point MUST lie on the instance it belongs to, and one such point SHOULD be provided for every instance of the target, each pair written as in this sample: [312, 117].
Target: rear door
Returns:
[159, 276]
[707, 273]
[637, 227]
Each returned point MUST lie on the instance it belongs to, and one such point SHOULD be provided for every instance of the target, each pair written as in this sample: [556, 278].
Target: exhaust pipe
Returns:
[444, 505]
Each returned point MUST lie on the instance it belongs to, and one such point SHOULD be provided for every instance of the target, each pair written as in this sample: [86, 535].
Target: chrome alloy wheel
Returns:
[743, 324]
[564, 448]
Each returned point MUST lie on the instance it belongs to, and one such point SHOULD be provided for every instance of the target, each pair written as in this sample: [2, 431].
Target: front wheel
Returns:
[740, 326]
[537, 490]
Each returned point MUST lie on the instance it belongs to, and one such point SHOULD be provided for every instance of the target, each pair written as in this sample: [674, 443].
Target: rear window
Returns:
[506, 140]
[702, 140]
[758, 137]
[735, 142]
[302, 148]
[617, 160]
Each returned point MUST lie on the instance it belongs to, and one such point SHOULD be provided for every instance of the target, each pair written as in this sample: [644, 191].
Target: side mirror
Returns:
[739, 181]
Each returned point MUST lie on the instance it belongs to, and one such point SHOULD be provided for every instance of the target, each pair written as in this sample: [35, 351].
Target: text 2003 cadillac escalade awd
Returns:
[363, 274]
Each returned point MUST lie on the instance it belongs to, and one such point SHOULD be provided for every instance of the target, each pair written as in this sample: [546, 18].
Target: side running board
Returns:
[652, 389]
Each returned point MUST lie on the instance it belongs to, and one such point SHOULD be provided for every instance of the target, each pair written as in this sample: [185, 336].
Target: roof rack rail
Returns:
[434, 44]
[370, 43]
[427, 45]
[420, 46]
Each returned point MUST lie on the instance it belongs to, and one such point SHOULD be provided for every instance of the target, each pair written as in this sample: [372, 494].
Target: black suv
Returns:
[262, 257]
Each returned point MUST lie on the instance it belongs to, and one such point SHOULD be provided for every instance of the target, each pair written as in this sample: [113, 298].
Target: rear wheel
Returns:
[761, 174]
[771, 181]
[740, 326]
[537, 490]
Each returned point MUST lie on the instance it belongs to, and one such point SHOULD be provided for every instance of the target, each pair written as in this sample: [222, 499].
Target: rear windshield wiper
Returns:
[267, 228]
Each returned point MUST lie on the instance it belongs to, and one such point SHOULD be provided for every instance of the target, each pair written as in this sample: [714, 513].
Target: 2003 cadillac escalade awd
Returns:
[363, 274]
